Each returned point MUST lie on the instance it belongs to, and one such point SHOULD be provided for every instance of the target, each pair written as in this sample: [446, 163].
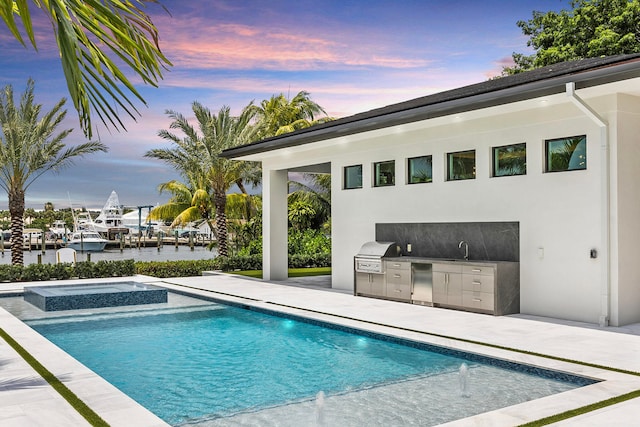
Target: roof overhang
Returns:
[548, 81]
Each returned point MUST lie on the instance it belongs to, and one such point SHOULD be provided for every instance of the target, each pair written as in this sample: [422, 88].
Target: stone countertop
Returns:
[427, 260]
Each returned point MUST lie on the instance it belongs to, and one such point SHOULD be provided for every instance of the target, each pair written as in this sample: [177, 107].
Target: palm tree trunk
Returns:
[241, 186]
[16, 210]
[220, 202]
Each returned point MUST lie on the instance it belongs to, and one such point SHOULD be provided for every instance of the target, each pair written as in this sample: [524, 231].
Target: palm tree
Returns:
[87, 32]
[279, 115]
[196, 156]
[29, 147]
[242, 206]
[312, 195]
[187, 204]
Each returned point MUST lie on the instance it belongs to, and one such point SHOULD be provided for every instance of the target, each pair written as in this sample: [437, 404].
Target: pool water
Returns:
[222, 365]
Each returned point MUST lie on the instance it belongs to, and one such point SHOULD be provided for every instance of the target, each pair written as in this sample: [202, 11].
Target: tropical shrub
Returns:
[308, 242]
[254, 247]
[62, 271]
[36, 272]
[10, 273]
[307, 261]
[249, 262]
[165, 269]
[83, 270]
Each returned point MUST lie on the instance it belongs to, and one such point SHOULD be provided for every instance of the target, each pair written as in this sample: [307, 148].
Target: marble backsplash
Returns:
[488, 241]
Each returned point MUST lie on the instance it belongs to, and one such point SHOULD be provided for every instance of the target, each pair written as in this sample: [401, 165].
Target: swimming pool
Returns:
[213, 364]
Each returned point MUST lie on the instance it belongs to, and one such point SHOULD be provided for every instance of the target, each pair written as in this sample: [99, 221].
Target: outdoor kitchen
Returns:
[442, 269]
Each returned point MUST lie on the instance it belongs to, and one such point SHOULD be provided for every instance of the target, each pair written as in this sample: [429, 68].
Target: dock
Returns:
[127, 241]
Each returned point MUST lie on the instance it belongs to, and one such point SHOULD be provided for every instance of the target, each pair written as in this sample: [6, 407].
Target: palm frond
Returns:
[91, 36]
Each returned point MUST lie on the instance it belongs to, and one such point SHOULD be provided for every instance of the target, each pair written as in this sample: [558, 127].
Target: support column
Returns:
[275, 259]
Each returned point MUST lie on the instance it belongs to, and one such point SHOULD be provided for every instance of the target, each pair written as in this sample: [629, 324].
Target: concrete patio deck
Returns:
[25, 400]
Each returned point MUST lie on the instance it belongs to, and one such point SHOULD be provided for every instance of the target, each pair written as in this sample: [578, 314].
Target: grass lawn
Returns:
[293, 272]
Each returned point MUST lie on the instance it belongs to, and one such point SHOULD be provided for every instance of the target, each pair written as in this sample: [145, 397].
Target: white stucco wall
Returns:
[559, 213]
[275, 223]
[626, 202]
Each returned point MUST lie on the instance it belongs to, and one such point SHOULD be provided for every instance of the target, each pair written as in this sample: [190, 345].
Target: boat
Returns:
[59, 229]
[82, 221]
[137, 220]
[86, 241]
[110, 215]
[31, 235]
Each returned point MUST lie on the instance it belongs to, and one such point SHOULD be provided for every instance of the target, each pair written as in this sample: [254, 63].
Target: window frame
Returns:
[450, 176]
[345, 181]
[430, 178]
[495, 161]
[547, 159]
[376, 174]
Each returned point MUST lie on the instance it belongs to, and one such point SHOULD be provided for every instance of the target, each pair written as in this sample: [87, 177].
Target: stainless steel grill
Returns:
[369, 258]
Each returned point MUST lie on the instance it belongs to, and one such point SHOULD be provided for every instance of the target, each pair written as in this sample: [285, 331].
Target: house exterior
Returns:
[555, 151]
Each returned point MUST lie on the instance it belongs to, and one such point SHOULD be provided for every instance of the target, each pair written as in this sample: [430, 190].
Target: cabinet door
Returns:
[377, 284]
[447, 288]
[439, 287]
[363, 284]
[454, 289]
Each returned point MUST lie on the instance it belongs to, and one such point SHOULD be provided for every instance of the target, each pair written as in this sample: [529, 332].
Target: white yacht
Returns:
[82, 221]
[139, 220]
[110, 215]
[86, 241]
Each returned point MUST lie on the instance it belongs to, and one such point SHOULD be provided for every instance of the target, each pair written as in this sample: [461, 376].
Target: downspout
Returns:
[605, 206]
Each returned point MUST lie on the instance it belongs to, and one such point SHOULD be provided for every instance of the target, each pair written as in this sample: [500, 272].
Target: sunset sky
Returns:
[351, 55]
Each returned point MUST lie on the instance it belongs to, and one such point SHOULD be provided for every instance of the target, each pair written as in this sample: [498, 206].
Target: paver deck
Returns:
[610, 347]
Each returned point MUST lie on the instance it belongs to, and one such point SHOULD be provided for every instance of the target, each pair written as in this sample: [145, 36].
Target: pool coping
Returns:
[335, 308]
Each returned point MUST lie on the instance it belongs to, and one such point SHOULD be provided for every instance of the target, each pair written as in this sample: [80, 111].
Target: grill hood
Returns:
[380, 249]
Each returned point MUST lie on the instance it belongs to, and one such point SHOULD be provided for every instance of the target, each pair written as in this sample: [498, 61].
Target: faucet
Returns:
[466, 249]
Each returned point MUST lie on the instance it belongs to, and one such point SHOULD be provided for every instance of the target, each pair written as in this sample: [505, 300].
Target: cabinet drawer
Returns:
[399, 276]
[399, 291]
[479, 269]
[478, 300]
[448, 268]
[398, 265]
[478, 283]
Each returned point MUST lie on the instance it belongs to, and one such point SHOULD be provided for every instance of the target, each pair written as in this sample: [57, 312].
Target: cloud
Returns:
[198, 42]
[500, 65]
